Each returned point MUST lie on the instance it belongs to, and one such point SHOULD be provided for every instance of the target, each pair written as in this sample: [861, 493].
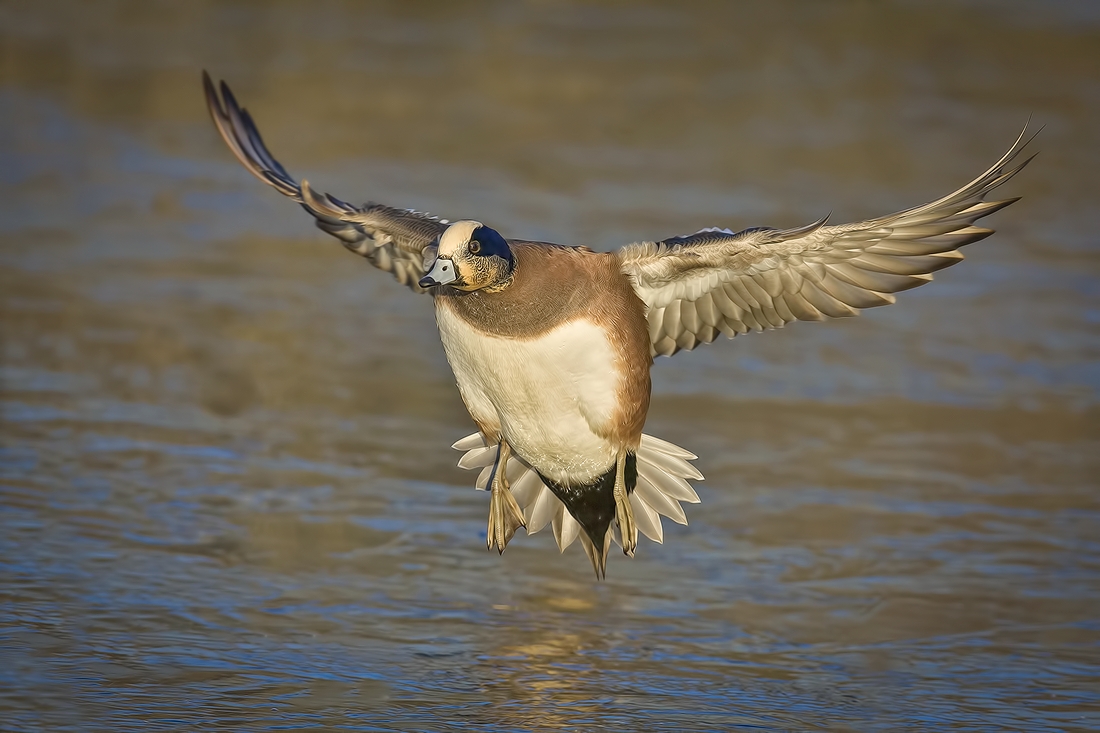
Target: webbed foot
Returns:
[624, 512]
[505, 516]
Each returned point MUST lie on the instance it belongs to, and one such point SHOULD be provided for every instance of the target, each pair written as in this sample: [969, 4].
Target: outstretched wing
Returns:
[398, 241]
[717, 281]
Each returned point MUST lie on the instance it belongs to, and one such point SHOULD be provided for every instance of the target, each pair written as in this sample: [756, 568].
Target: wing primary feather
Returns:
[764, 277]
[398, 237]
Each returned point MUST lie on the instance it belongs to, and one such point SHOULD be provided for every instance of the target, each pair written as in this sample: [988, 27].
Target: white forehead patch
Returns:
[456, 237]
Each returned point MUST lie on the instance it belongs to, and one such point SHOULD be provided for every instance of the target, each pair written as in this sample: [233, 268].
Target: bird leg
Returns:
[505, 516]
[624, 513]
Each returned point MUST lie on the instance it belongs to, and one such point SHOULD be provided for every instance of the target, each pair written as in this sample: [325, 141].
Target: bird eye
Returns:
[475, 246]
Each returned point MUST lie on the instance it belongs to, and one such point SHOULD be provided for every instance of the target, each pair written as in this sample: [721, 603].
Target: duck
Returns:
[551, 346]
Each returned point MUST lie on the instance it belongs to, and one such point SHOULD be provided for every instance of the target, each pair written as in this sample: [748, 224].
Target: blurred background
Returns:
[227, 499]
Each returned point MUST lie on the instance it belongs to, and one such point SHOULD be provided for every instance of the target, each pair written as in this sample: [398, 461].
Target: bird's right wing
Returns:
[399, 241]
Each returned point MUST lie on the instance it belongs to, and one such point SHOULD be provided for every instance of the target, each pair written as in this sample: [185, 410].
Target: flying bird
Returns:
[551, 345]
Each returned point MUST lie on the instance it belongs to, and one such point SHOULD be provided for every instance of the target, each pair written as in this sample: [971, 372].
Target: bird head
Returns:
[471, 256]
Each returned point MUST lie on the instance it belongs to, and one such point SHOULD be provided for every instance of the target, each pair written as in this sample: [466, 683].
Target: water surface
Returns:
[226, 498]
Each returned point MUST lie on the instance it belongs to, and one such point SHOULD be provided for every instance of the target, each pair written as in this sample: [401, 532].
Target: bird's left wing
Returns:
[399, 241]
[721, 282]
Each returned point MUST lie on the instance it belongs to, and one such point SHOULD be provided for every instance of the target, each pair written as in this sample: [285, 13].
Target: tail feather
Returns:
[663, 473]
[595, 555]
[566, 528]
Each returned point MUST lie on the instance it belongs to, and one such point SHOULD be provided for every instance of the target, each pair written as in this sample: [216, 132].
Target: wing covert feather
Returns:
[719, 281]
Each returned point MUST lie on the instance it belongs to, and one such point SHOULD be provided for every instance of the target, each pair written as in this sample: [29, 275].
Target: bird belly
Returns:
[553, 395]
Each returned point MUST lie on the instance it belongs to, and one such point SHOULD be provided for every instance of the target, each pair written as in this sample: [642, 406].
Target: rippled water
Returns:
[226, 497]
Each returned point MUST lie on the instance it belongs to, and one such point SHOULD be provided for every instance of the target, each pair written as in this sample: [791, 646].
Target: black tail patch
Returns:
[592, 504]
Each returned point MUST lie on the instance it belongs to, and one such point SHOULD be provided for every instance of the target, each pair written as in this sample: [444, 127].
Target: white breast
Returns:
[549, 395]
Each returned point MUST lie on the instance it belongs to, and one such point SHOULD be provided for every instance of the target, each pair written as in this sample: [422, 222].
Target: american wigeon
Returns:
[551, 346]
